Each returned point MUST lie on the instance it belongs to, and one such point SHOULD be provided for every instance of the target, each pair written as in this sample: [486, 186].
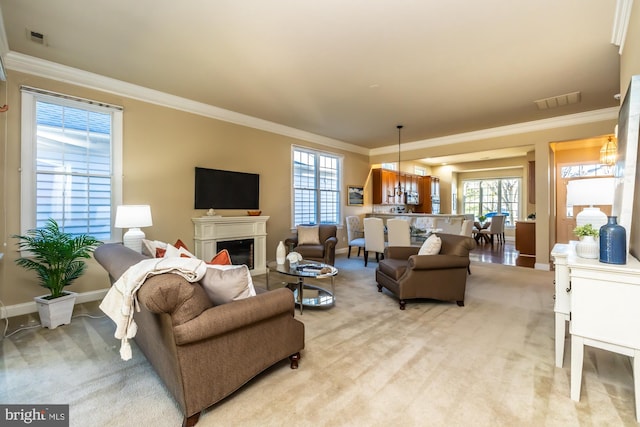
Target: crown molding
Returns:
[28, 64]
[519, 128]
[621, 23]
[51, 70]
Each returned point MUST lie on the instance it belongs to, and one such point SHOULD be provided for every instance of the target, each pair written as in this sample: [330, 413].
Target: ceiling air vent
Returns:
[36, 37]
[558, 101]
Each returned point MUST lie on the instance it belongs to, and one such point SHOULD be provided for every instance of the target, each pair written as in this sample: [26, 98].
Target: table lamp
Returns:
[590, 192]
[133, 217]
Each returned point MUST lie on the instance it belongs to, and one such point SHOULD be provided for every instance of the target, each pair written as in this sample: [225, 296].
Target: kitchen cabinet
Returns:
[526, 238]
[429, 191]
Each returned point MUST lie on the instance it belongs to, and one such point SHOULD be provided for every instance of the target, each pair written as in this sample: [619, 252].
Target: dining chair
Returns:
[496, 228]
[467, 228]
[398, 232]
[373, 238]
[355, 234]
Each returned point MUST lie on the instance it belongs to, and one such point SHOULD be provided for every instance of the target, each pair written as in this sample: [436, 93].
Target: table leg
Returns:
[577, 356]
[636, 381]
[268, 288]
[300, 289]
[560, 332]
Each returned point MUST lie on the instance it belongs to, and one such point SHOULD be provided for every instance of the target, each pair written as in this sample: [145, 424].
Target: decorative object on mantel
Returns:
[211, 212]
[587, 247]
[281, 253]
[613, 242]
[254, 213]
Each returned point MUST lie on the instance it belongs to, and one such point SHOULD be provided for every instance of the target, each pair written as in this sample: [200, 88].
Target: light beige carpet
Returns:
[366, 363]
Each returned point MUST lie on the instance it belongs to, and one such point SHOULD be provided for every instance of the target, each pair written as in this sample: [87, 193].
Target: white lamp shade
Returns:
[133, 216]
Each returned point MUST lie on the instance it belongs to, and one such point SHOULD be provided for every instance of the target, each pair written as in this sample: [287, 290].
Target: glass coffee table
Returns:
[305, 294]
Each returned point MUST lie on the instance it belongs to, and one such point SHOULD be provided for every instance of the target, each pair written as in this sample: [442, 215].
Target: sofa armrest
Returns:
[400, 252]
[437, 262]
[227, 317]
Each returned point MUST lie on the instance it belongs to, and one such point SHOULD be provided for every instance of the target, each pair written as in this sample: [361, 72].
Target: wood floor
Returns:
[501, 253]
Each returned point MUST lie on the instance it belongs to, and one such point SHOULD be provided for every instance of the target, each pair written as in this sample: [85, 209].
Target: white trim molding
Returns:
[31, 307]
[621, 23]
[51, 70]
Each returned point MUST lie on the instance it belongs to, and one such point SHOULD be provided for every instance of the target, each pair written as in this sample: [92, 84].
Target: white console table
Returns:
[209, 230]
[604, 301]
[562, 306]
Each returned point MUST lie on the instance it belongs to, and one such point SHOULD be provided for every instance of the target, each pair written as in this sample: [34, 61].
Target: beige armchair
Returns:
[321, 249]
[442, 277]
[355, 234]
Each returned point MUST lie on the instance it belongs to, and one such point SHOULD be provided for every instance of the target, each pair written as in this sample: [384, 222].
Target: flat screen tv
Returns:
[221, 189]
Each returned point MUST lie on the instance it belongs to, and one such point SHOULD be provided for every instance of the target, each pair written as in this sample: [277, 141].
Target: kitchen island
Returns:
[444, 223]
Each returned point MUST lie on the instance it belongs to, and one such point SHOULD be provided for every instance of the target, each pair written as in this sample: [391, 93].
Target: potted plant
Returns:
[587, 247]
[56, 257]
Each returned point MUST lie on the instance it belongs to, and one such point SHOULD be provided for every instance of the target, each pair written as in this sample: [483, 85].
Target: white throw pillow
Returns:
[308, 235]
[431, 246]
[172, 251]
[226, 283]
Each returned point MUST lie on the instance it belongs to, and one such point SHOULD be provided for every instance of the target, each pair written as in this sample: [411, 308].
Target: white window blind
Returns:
[71, 163]
[316, 187]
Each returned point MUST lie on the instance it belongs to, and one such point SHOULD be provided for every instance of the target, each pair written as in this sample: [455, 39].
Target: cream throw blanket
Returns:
[120, 300]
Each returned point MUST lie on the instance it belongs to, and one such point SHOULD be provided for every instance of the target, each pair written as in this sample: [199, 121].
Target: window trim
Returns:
[28, 153]
[340, 181]
[500, 179]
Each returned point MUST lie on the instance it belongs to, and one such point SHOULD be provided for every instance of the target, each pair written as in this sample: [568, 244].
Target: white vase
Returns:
[281, 253]
[588, 247]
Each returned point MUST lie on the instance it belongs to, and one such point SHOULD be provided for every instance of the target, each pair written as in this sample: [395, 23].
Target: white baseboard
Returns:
[31, 307]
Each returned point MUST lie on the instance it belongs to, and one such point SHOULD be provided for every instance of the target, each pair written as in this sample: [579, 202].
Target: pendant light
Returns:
[399, 187]
[609, 152]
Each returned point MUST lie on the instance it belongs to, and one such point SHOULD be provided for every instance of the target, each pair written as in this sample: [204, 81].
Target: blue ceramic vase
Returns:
[613, 242]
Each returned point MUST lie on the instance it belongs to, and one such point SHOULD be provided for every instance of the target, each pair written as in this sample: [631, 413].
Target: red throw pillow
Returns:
[179, 244]
[221, 258]
[160, 252]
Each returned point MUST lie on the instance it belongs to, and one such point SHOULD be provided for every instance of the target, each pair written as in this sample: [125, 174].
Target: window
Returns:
[419, 170]
[71, 163]
[316, 187]
[486, 196]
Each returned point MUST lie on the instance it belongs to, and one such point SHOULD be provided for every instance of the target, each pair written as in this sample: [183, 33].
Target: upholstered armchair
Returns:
[315, 242]
[443, 277]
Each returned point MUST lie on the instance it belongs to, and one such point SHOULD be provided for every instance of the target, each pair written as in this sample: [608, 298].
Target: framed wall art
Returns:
[355, 195]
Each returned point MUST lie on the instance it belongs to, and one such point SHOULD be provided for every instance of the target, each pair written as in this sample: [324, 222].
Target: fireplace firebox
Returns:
[240, 251]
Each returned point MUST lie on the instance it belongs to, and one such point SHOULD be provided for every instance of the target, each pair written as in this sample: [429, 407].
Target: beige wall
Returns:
[161, 148]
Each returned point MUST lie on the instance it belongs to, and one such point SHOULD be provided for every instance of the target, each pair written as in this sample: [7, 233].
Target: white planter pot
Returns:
[588, 247]
[57, 311]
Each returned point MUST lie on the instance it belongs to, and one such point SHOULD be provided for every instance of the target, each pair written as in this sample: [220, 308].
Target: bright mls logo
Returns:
[34, 415]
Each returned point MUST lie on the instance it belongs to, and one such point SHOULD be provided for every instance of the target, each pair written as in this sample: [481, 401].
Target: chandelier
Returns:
[609, 152]
[398, 189]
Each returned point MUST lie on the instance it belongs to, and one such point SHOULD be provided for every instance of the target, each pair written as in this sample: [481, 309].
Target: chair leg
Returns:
[460, 303]
[377, 256]
[403, 304]
[349, 252]
[359, 249]
[366, 257]
[469, 270]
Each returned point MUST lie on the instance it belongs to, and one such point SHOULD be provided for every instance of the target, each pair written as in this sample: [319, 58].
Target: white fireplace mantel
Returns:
[209, 230]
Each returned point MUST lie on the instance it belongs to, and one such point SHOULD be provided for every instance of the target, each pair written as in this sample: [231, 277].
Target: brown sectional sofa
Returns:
[203, 353]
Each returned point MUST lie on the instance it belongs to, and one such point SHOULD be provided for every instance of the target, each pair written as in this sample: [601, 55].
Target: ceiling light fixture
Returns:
[399, 187]
[609, 152]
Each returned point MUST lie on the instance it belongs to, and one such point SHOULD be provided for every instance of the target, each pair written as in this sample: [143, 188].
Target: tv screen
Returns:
[221, 189]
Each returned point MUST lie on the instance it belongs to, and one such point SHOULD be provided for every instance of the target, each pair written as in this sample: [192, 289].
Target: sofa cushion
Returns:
[393, 267]
[226, 283]
[431, 246]
[308, 235]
